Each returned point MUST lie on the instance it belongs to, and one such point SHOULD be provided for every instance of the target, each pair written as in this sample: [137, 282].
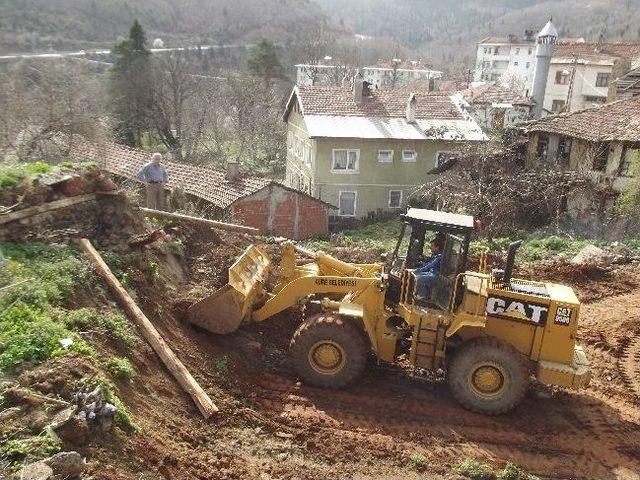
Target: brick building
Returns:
[258, 202]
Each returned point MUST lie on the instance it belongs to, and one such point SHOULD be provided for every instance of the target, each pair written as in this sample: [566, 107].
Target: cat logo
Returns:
[517, 309]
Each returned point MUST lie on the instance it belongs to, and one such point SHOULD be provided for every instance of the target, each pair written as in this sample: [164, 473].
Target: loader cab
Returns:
[412, 249]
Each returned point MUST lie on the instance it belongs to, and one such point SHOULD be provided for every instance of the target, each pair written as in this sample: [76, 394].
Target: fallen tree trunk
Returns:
[171, 361]
[231, 227]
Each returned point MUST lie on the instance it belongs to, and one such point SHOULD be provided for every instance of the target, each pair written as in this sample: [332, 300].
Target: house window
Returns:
[290, 140]
[601, 155]
[345, 161]
[530, 50]
[495, 51]
[564, 150]
[409, 155]
[543, 146]
[592, 99]
[306, 156]
[395, 198]
[517, 51]
[562, 77]
[443, 158]
[347, 204]
[385, 156]
[528, 64]
[557, 106]
[602, 80]
[515, 64]
[630, 156]
[297, 146]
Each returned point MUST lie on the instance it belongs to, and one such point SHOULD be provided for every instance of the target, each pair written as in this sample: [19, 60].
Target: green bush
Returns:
[512, 472]
[30, 449]
[29, 331]
[120, 368]
[475, 470]
[417, 461]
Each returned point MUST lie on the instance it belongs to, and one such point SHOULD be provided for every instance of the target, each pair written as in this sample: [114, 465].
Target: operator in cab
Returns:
[427, 272]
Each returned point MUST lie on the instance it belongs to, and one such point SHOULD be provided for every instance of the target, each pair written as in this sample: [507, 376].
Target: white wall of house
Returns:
[401, 77]
[496, 117]
[590, 83]
[494, 60]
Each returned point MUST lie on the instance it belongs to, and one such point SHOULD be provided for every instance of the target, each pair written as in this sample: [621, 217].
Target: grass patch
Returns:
[26, 450]
[383, 236]
[221, 365]
[13, 173]
[113, 325]
[121, 368]
[475, 470]
[417, 461]
[29, 331]
[512, 472]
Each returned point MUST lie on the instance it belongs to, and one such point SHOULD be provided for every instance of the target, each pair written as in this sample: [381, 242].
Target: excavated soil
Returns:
[271, 426]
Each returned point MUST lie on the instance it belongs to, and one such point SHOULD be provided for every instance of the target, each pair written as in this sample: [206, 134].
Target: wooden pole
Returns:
[170, 360]
[45, 207]
[231, 227]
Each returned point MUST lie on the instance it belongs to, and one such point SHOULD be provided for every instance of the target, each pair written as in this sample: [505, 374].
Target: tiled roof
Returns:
[202, 182]
[619, 49]
[516, 40]
[402, 64]
[616, 121]
[339, 101]
[489, 93]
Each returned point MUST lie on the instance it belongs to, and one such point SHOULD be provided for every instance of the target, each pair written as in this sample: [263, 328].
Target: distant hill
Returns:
[446, 31]
[27, 25]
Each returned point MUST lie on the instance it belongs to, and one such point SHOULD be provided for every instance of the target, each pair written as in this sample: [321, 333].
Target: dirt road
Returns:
[275, 427]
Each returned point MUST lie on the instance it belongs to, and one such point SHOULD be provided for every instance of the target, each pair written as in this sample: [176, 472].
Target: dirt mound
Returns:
[591, 282]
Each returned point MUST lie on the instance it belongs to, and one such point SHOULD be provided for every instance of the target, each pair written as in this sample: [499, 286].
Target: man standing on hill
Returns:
[154, 176]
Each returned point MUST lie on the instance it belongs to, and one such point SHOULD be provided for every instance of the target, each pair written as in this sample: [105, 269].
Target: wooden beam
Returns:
[45, 207]
[231, 227]
[170, 360]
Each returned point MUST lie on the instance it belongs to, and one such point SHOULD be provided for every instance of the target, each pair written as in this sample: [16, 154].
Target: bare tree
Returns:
[45, 106]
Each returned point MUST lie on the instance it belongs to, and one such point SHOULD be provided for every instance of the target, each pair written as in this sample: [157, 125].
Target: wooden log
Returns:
[45, 207]
[171, 361]
[231, 227]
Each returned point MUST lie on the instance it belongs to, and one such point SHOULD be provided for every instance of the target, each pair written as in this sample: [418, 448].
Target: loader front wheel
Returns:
[488, 376]
[328, 351]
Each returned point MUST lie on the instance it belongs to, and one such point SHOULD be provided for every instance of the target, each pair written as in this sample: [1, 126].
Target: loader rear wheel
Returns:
[328, 351]
[488, 376]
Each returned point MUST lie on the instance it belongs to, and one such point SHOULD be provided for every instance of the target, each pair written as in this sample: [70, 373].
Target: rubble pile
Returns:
[59, 206]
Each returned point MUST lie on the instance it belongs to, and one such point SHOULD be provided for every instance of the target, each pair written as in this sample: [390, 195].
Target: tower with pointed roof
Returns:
[546, 41]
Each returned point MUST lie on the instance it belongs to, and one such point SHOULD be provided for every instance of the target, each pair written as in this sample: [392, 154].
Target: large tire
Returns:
[488, 376]
[328, 351]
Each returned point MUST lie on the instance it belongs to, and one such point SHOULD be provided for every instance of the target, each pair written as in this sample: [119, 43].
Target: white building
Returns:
[394, 73]
[495, 108]
[582, 76]
[399, 73]
[512, 57]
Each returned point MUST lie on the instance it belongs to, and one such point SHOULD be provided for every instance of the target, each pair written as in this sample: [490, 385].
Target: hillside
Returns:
[27, 25]
[447, 31]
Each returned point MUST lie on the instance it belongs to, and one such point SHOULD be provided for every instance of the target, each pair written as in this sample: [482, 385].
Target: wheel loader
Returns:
[489, 334]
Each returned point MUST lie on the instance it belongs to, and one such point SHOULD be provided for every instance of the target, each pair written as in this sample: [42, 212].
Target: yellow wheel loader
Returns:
[489, 333]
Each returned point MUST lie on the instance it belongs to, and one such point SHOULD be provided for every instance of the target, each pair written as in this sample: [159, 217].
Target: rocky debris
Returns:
[94, 409]
[61, 466]
[34, 471]
[66, 465]
[592, 255]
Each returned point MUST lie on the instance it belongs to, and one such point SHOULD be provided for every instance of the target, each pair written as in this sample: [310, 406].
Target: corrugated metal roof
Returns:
[443, 218]
[332, 126]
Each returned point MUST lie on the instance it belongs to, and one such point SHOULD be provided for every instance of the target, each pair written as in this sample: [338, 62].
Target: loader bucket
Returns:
[224, 311]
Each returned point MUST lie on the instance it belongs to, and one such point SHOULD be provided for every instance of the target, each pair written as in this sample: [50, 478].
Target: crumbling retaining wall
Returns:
[86, 205]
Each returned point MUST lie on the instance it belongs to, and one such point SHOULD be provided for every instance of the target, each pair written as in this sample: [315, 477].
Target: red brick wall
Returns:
[273, 211]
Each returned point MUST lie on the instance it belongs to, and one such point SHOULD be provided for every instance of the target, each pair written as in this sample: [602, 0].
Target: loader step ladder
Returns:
[427, 340]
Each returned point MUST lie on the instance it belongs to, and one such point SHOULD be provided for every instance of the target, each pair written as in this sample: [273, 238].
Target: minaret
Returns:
[546, 42]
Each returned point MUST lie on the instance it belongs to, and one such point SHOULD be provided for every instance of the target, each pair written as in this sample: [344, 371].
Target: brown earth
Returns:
[271, 426]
